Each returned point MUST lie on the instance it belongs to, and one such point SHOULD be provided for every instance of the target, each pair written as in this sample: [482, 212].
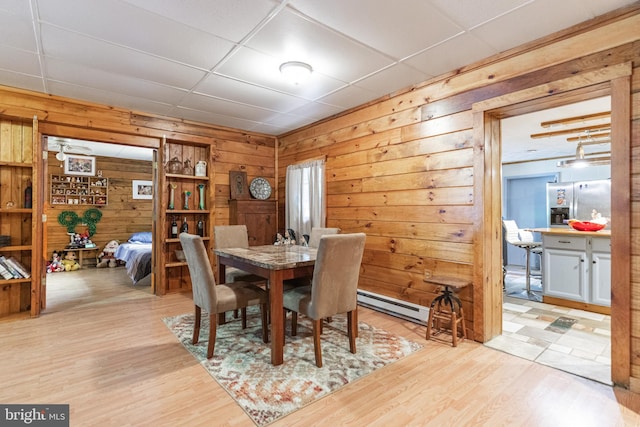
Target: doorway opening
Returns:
[567, 336]
[104, 193]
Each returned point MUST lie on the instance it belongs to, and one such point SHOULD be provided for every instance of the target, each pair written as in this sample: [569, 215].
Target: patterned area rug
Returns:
[241, 363]
[561, 324]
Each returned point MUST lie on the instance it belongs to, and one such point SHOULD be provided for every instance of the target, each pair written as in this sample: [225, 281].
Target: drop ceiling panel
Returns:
[20, 61]
[230, 19]
[116, 59]
[138, 29]
[464, 49]
[412, 30]
[238, 91]
[389, 80]
[17, 31]
[104, 80]
[290, 37]
[547, 15]
[263, 70]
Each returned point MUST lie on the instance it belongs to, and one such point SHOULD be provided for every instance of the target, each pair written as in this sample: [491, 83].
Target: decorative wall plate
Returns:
[260, 188]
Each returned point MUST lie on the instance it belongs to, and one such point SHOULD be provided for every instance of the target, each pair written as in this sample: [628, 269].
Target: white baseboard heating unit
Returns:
[395, 307]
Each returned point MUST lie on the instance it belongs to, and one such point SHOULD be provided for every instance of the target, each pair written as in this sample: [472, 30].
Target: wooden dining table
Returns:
[276, 263]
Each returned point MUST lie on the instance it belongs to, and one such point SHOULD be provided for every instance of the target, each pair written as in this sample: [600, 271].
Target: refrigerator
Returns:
[580, 200]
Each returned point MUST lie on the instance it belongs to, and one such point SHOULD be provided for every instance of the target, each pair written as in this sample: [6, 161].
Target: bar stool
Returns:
[446, 313]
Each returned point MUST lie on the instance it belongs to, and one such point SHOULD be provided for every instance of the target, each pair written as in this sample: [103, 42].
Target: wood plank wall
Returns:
[403, 169]
[122, 216]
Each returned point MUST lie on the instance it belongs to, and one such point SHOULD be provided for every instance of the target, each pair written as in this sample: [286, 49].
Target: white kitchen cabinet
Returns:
[565, 274]
[577, 268]
[601, 271]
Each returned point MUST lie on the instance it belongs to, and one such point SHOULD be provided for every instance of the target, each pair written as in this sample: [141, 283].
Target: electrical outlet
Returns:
[427, 275]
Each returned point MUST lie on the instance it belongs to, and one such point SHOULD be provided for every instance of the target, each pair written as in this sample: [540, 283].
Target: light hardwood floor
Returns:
[101, 346]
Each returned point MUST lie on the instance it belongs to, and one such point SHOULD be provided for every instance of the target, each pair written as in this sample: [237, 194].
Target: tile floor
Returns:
[582, 348]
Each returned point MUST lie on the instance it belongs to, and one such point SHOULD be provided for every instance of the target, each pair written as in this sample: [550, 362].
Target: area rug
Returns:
[561, 324]
[241, 363]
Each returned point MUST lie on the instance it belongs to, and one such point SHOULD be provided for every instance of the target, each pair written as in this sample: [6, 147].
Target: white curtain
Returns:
[305, 197]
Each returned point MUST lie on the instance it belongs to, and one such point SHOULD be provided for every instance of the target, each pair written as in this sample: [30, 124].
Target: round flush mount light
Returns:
[296, 72]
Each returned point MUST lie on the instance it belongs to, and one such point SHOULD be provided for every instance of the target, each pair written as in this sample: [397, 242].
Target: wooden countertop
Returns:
[571, 232]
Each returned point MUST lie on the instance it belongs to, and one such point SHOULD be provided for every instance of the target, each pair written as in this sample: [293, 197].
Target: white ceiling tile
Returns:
[16, 7]
[234, 90]
[225, 107]
[457, 52]
[348, 97]
[104, 80]
[289, 37]
[231, 19]
[126, 25]
[19, 61]
[364, 19]
[396, 77]
[263, 70]
[17, 32]
[531, 22]
[107, 98]
[469, 14]
[22, 81]
[316, 110]
[98, 54]
[219, 119]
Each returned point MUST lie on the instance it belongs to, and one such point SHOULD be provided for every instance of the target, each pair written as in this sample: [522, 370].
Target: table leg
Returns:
[277, 317]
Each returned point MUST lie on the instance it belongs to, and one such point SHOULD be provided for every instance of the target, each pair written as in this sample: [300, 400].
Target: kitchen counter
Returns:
[571, 232]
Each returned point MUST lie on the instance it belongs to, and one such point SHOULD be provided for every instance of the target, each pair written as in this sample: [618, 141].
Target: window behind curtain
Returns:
[305, 197]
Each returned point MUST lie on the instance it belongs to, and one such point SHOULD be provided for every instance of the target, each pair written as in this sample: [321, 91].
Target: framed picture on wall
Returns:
[79, 165]
[238, 188]
[142, 189]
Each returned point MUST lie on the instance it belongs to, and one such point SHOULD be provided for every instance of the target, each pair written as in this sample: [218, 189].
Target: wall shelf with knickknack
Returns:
[18, 225]
[79, 190]
[186, 201]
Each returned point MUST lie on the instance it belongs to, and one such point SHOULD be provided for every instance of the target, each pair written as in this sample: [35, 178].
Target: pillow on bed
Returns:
[140, 237]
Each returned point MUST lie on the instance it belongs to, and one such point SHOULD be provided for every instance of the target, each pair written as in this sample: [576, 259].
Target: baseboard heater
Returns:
[403, 309]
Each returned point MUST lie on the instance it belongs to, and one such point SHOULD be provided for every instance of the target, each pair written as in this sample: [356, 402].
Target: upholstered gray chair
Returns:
[333, 287]
[318, 232]
[234, 236]
[314, 241]
[216, 299]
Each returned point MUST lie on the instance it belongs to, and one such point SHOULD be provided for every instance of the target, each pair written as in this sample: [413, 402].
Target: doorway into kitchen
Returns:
[565, 334]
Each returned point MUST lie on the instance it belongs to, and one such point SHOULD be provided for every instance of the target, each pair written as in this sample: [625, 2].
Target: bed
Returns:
[136, 253]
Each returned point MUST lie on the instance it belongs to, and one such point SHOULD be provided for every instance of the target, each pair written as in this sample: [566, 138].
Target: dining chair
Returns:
[318, 232]
[216, 299]
[314, 240]
[234, 236]
[333, 288]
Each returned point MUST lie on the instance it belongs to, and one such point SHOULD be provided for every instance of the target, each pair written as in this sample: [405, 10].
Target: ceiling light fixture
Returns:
[581, 161]
[296, 72]
[60, 156]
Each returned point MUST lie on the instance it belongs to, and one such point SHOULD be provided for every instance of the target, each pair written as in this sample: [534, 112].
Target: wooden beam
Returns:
[577, 119]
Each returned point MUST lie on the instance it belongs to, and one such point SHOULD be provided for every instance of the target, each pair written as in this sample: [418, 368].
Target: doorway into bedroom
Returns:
[99, 202]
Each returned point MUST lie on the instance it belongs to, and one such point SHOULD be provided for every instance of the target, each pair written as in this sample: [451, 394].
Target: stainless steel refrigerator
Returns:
[578, 200]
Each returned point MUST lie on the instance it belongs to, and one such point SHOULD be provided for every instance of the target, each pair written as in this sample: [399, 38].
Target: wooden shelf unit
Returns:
[16, 220]
[172, 273]
[79, 190]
